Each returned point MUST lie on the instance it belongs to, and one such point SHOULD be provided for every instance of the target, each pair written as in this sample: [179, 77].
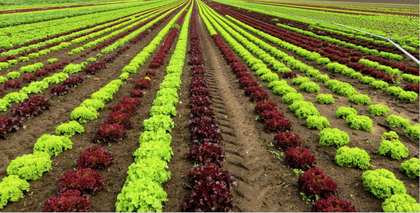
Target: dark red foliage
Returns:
[151, 72]
[12, 84]
[73, 81]
[204, 129]
[136, 93]
[264, 105]
[30, 107]
[206, 153]
[59, 90]
[143, 84]
[200, 101]
[200, 91]
[242, 74]
[332, 204]
[69, 201]
[41, 73]
[247, 81]
[412, 70]
[412, 87]
[355, 59]
[121, 119]
[10, 57]
[278, 124]
[367, 70]
[95, 157]
[197, 69]
[269, 114]
[286, 140]
[110, 133]
[85, 180]
[250, 90]
[82, 55]
[315, 182]
[131, 101]
[94, 68]
[125, 108]
[356, 66]
[198, 81]
[299, 158]
[259, 95]
[198, 111]
[378, 74]
[8, 124]
[210, 172]
[1, 91]
[390, 79]
[28, 78]
[289, 75]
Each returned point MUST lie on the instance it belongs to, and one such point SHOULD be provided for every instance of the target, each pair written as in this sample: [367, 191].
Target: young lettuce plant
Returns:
[393, 148]
[398, 121]
[31, 166]
[352, 157]
[325, 99]
[378, 109]
[69, 129]
[360, 99]
[319, 122]
[382, 183]
[400, 203]
[343, 112]
[358, 122]
[53, 145]
[333, 137]
[413, 131]
[410, 168]
[11, 189]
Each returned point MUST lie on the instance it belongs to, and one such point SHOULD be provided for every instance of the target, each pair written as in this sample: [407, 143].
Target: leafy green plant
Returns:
[273, 84]
[13, 62]
[323, 61]
[292, 97]
[98, 55]
[310, 87]
[3, 79]
[343, 112]
[52, 60]
[352, 157]
[11, 189]
[413, 131]
[319, 122]
[69, 129]
[304, 112]
[102, 96]
[298, 172]
[33, 55]
[84, 114]
[283, 90]
[4, 105]
[344, 89]
[393, 90]
[95, 103]
[358, 122]
[378, 109]
[408, 95]
[398, 121]
[356, 75]
[298, 104]
[159, 149]
[52, 144]
[56, 78]
[152, 168]
[31, 166]
[322, 78]
[72, 68]
[167, 109]
[124, 76]
[410, 168]
[367, 80]
[269, 77]
[333, 137]
[379, 84]
[23, 59]
[393, 148]
[13, 75]
[159, 135]
[360, 99]
[382, 183]
[91, 59]
[129, 69]
[325, 99]
[400, 203]
[300, 80]
[410, 78]
[15, 97]
[391, 135]
[158, 122]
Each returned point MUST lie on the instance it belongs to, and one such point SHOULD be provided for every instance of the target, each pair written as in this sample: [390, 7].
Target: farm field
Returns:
[199, 105]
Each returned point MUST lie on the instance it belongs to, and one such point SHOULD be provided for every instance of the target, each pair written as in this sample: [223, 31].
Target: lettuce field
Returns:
[209, 105]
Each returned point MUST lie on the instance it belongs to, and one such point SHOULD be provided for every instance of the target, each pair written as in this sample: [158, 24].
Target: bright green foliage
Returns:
[72, 68]
[410, 168]
[56, 78]
[262, 71]
[393, 90]
[393, 148]
[299, 104]
[398, 121]
[35, 87]
[277, 83]
[400, 203]
[33, 55]
[323, 61]
[411, 78]
[343, 112]
[31, 166]
[322, 78]
[4, 65]
[408, 95]
[91, 59]
[413, 131]
[391, 135]
[141, 195]
[53, 145]
[15, 97]
[344, 89]
[360, 99]
[159, 135]
[352, 157]
[3, 79]
[269, 77]
[98, 55]
[367, 80]
[358, 122]
[13, 75]
[348, 71]
[4, 105]
[124, 76]
[305, 112]
[168, 92]
[292, 97]
[102, 96]
[163, 110]
[13, 62]
[319, 122]
[336, 137]
[152, 168]
[283, 90]
[129, 69]
[300, 80]
[382, 183]
[150, 149]
[356, 75]
[11, 189]
[69, 129]
[165, 100]
[378, 109]
[325, 99]
[52, 60]
[313, 73]
[332, 83]
[258, 66]
[110, 88]
[310, 87]
[84, 114]
[31, 68]
[379, 84]
[23, 58]
[158, 122]
[95, 103]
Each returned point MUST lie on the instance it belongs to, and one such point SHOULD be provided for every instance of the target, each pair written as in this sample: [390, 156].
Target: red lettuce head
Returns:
[85, 180]
[110, 133]
[69, 201]
[299, 158]
[315, 182]
[286, 140]
[332, 204]
[95, 158]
